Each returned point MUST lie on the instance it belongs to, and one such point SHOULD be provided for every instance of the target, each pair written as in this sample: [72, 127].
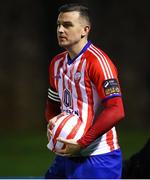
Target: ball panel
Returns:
[75, 129]
[60, 127]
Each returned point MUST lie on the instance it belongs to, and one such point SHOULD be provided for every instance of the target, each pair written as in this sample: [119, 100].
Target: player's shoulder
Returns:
[97, 59]
[96, 53]
[59, 56]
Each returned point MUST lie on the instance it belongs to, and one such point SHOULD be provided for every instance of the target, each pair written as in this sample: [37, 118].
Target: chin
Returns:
[63, 45]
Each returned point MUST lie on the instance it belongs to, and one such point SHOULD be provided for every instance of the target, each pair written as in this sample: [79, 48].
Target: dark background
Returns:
[27, 44]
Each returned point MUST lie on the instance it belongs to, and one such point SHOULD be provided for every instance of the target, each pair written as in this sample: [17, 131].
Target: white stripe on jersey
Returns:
[74, 92]
[53, 95]
[60, 87]
[84, 97]
[99, 62]
[84, 94]
[53, 98]
[65, 62]
[103, 62]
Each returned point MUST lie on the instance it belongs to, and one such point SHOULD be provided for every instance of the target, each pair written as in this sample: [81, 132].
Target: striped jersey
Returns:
[81, 85]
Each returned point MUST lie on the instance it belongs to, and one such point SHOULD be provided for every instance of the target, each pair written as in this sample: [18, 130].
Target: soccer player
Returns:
[84, 81]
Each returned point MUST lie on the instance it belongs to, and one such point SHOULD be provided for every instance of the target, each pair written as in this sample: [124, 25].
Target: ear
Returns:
[85, 31]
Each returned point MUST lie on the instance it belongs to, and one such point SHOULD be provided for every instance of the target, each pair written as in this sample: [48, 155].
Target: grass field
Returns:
[26, 154]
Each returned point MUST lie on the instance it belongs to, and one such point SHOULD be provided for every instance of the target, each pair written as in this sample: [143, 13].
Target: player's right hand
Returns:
[51, 124]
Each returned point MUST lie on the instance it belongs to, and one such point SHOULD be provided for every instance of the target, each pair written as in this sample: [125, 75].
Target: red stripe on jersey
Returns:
[60, 127]
[51, 72]
[109, 139]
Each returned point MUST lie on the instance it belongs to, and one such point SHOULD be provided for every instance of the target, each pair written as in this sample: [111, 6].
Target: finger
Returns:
[50, 125]
[63, 140]
[66, 141]
[52, 121]
[49, 134]
[62, 152]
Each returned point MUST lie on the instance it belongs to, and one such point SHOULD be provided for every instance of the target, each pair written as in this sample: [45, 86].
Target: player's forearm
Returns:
[52, 109]
[113, 112]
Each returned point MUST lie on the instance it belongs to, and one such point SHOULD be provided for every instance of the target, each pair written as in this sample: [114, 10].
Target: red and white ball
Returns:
[67, 126]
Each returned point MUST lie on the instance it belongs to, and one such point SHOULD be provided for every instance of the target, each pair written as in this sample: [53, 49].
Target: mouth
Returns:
[62, 38]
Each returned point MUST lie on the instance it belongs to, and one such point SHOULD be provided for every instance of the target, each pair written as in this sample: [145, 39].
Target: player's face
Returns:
[70, 29]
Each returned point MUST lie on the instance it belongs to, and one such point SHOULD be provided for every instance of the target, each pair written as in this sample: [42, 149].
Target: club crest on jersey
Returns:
[77, 76]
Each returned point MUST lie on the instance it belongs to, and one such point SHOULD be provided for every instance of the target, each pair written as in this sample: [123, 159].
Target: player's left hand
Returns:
[72, 147]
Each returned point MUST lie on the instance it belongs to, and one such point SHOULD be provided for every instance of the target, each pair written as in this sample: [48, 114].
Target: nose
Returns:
[60, 28]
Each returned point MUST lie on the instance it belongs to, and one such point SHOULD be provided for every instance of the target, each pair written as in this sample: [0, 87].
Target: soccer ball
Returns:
[67, 126]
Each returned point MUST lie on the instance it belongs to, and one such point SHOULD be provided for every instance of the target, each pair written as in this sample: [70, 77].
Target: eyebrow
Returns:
[65, 23]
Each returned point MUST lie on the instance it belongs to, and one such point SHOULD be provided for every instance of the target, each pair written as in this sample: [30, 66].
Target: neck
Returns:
[76, 48]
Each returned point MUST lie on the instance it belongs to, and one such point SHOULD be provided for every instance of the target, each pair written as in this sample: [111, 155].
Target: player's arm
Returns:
[52, 108]
[112, 113]
[52, 104]
[110, 93]
[53, 101]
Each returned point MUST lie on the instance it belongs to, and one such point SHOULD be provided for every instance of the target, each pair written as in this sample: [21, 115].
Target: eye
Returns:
[67, 24]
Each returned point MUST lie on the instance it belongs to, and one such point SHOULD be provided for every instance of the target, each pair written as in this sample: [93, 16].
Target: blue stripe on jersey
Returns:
[112, 96]
[82, 51]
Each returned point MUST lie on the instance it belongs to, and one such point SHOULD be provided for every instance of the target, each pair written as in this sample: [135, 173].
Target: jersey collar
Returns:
[70, 61]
